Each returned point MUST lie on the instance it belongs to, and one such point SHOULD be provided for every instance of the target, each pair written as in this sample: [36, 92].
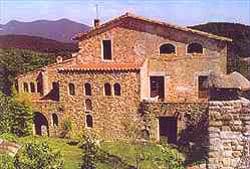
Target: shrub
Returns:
[6, 162]
[38, 155]
[15, 117]
[8, 137]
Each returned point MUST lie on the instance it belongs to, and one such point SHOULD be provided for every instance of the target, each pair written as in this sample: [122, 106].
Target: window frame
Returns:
[194, 53]
[85, 93]
[53, 120]
[102, 50]
[86, 121]
[32, 87]
[26, 87]
[104, 89]
[69, 91]
[120, 89]
[168, 43]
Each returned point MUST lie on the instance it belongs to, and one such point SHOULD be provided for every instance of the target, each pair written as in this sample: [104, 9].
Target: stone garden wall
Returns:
[229, 126]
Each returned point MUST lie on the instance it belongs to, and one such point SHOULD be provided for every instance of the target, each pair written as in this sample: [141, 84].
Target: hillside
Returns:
[61, 30]
[238, 32]
[36, 44]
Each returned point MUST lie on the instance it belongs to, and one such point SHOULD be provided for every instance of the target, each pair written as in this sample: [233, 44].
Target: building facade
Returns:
[121, 64]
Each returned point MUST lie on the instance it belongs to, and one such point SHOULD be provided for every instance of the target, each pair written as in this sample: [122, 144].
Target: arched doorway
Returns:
[41, 124]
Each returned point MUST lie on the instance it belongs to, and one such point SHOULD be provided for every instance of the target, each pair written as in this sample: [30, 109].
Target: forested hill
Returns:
[238, 32]
[37, 44]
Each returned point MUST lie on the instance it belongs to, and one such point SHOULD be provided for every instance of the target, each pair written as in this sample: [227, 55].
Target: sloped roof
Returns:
[115, 21]
[234, 80]
[101, 67]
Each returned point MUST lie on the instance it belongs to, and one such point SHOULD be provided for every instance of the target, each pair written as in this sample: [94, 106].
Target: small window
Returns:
[107, 51]
[117, 89]
[32, 87]
[55, 91]
[87, 87]
[25, 87]
[195, 48]
[72, 89]
[167, 49]
[107, 89]
[203, 87]
[88, 104]
[89, 121]
[54, 120]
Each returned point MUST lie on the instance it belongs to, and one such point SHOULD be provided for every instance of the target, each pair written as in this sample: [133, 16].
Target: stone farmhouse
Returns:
[127, 67]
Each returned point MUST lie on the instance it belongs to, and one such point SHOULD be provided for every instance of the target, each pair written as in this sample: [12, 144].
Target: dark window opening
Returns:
[87, 87]
[203, 87]
[167, 49]
[168, 129]
[25, 87]
[55, 91]
[32, 87]
[54, 120]
[88, 104]
[89, 121]
[195, 48]
[117, 89]
[107, 51]
[107, 89]
[39, 87]
[157, 87]
[72, 89]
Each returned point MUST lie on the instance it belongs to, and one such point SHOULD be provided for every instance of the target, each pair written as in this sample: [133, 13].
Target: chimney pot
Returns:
[96, 22]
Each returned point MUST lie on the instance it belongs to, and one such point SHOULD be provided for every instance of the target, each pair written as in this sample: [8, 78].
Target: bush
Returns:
[6, 162]
[15, 117]
[8, 137]
[36, 155]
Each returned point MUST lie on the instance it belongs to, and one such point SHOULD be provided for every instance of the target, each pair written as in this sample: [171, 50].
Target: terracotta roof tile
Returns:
[95, 31]
[101, 67]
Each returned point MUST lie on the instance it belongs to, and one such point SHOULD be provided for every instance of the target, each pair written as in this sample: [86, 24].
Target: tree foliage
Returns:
[15, 117]
[16, 61]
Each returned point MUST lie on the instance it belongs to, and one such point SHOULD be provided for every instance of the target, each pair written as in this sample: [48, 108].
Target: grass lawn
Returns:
[113, 155]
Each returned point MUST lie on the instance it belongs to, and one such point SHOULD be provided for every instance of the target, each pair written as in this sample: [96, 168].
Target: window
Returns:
[194, 48]
[25, 87]
[157, 86]
[55, 91]
[167, 49]
[32, 87]
[117, 89]
[88, 104]
[87, 87]
[203, 87]
[107, 89]
[54, 120]
[72, 89]
[106, 49]
[89, 121]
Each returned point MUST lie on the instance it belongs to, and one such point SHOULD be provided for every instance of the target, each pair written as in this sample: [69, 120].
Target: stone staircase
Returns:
[10, 148]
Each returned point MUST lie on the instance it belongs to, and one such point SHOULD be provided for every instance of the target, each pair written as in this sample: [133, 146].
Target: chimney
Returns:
[96, 23]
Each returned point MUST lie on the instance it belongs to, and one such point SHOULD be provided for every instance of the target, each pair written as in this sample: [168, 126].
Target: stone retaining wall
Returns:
[229, 126]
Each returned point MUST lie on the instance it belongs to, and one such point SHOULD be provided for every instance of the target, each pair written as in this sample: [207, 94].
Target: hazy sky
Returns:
[182, 12]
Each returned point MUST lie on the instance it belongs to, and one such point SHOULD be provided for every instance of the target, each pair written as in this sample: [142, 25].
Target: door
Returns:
[168, 128]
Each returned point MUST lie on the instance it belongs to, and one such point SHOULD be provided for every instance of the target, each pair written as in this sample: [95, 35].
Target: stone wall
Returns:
[229, 124]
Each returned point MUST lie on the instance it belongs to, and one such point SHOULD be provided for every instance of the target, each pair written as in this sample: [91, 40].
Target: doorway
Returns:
[41, 124]
[168, 128]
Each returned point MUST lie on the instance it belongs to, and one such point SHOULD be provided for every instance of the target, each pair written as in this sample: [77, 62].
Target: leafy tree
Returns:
[6, 162]
[15, 117]
[17, 61]
[34, 155]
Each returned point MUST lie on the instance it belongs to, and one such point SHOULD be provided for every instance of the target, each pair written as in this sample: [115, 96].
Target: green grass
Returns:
[71, 154]
[114, 155]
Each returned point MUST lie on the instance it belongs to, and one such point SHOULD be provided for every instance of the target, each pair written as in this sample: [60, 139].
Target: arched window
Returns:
[88, 104]
[88, 91]
[32, 87]
[107, 89]
[89, 121]
[195, 48]
[25, 87]
[167, 49]
[117, 89]
[54, 120]
[72, 89]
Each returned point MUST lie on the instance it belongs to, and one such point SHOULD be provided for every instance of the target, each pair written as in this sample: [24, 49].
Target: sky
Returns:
[180, 12]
